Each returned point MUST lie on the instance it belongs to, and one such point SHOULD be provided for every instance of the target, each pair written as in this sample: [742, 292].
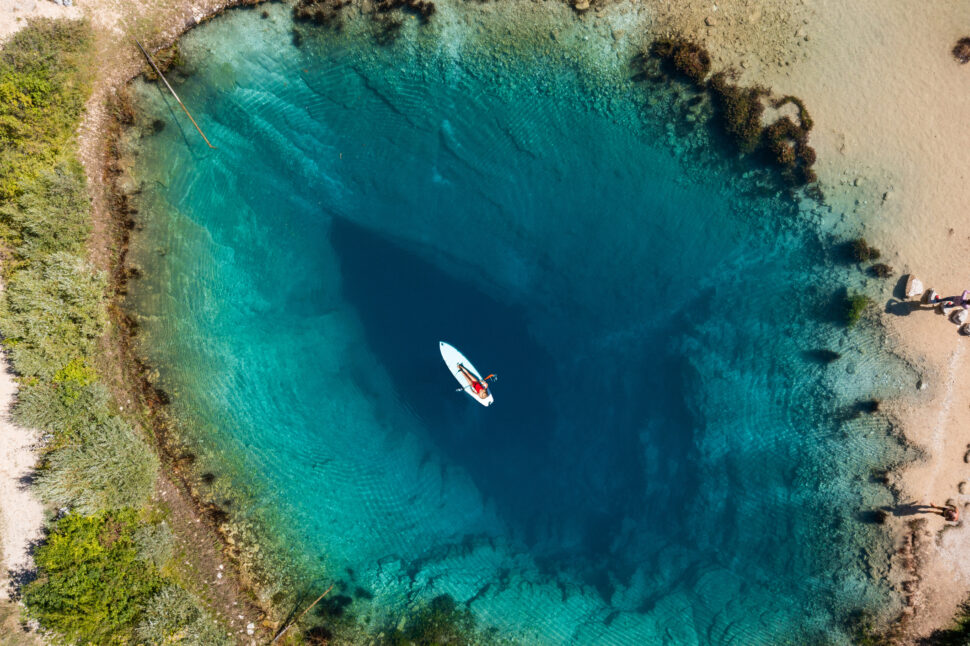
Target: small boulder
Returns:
[965, 329]
[945, 308]
[914, 287]
[959, 316]
[581, 5]
[930, 297]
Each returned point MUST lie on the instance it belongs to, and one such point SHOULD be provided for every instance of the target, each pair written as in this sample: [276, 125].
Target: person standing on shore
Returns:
[950, 513]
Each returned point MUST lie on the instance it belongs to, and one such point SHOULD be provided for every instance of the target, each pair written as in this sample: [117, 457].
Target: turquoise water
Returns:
[665, 462]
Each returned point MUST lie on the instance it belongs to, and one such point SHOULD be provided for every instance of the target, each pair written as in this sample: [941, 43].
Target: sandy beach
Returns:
[890, 104]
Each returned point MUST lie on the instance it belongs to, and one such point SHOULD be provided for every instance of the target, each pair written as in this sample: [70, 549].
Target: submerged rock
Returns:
[914, 286]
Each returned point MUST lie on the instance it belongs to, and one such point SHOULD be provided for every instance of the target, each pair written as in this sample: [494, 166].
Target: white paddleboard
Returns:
[452, 359]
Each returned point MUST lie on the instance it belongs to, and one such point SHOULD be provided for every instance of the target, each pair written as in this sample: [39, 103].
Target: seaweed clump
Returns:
[741, 110]
[788, 142]
[441, 623]
[683, 57]
[881, 270]
[862, 251]
[423, 8]
[961, 51]
[322, 12]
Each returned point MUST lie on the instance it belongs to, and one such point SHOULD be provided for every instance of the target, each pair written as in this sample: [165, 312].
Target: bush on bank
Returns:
[101, 572]
[92, 584]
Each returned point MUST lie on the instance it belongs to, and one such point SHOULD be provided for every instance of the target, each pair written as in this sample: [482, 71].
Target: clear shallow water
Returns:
[664, 462]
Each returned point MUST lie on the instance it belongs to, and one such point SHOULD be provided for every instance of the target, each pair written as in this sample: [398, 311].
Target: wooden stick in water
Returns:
[308, 608]
[165, 81]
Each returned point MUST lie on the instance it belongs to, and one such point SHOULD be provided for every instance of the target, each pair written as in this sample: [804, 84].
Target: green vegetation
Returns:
[106, 467]
[52, 314]
[105, 573]
[42, 92]
[173, 617]
[856, 306]
[741, 109]
[93, 585]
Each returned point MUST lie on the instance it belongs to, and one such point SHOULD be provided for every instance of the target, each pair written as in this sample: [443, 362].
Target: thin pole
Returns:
[165, 81]
[310, 607]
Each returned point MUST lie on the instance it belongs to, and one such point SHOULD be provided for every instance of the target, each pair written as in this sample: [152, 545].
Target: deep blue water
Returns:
[664, 461]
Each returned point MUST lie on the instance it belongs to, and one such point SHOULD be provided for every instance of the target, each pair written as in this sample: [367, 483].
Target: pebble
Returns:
[710, 22]
[922, 385]
[250, 628]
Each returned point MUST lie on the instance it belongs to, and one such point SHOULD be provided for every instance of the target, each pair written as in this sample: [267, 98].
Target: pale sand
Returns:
[14, 14]
[21, 514]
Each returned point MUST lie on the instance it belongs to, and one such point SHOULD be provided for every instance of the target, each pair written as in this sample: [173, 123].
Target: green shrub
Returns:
[50, 214]
[92, 586]
[73, 378]
[172, 616]
[108, 467]
[43, 406]
[856, 306]
[156, 544]
[42, 92]
[52, 313]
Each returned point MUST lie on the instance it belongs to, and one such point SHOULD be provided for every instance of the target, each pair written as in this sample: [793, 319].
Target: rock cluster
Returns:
[914, 287]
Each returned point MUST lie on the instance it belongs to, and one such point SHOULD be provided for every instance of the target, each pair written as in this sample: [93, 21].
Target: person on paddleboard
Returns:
[479, 387]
